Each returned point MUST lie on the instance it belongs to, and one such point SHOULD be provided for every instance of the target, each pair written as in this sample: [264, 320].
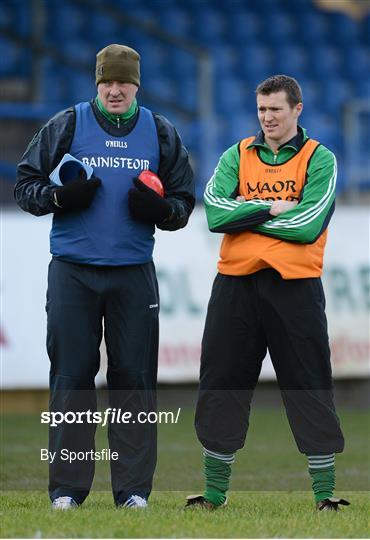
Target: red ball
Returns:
[151, 180]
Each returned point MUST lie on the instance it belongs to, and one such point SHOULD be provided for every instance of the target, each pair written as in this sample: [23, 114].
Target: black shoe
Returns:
[331, 504]
[198, 501]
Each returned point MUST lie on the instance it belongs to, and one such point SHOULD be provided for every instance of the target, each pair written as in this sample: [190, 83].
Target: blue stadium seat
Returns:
[181, 64]
[360, 143]
[126, 6]
[64, 22]
[264, 6]
[312, 95]
[357, 154]
[365, 29]
[244, 27]
[343, 29]
[141, 13]
[325, 129]
[192, 134]
[6, 15]
[356, 61]
[255, 62]
[362, 88]
[225, 61]
[229, 95]
[154, 59]
[21, 17]
[159, 5]
[162, 87]
[299, 7]
[80, 86]
[129, 35]
[176, 21]
[11, 58]
[328, 132]
[342, 178]
[240, 125]
[335, 93]
[194, 5]
[291, 60]
[325, 61]
[215, 129]
[279, 28]
[102, 29]
[209, 26]
[313, 28]
[54, 84]
[187, 93]
[79, 51]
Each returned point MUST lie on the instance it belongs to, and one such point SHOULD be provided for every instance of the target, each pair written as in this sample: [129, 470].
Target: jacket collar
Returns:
[295, 142]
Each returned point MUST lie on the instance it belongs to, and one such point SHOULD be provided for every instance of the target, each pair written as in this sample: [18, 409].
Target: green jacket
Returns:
[303, 224]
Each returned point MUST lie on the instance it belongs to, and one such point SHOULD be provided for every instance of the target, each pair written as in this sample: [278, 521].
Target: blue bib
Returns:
[105, 233]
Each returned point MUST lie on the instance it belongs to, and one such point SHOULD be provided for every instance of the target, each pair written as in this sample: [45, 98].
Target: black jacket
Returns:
[34, 193]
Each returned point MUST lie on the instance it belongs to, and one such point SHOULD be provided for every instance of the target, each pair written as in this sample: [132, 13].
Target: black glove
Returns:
[146, 205]
[77, 194]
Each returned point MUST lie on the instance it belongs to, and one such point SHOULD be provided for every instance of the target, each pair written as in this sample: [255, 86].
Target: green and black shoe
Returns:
[331, 504]
[198, 501]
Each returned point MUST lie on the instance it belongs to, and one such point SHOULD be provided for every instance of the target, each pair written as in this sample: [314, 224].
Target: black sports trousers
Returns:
[81, 301]
[246, 316]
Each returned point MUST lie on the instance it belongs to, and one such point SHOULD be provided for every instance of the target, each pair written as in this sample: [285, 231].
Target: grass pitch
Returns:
[249, 515]
[270, 490]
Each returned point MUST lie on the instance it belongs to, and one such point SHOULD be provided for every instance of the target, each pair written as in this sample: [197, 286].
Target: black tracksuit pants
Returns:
[246, 316]
[79, 299]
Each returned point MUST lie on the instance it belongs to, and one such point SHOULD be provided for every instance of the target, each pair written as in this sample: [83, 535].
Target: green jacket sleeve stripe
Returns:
[224, 213]
[219, 202]
[227, 204]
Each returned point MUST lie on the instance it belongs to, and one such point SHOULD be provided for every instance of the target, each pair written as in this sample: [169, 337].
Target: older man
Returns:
[102, 269]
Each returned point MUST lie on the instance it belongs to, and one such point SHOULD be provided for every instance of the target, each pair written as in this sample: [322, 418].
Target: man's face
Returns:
[278, 120]
[116, 96]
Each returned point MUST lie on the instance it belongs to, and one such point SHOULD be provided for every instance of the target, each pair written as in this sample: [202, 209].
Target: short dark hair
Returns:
[279, 83]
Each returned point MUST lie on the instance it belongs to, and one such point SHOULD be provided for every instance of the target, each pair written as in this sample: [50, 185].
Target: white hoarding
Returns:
[186, 265]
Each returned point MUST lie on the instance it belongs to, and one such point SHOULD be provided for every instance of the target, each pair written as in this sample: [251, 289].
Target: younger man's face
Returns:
[277, 118]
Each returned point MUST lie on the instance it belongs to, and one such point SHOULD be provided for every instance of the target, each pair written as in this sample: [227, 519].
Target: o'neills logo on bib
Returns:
[117, 162]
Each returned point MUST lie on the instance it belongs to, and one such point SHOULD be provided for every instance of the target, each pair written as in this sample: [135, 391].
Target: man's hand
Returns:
[76, 194]
[278, 207]
[146, 205]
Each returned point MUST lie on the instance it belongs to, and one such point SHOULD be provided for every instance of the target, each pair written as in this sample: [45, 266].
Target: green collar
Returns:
[116, 118]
